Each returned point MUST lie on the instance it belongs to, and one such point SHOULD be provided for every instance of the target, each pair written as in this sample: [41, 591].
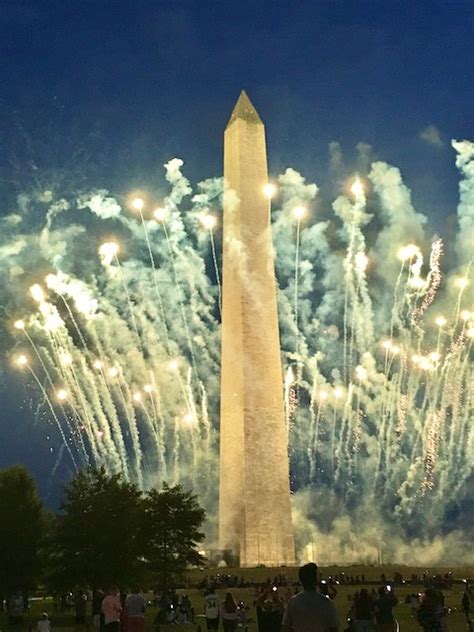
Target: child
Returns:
[44, 624]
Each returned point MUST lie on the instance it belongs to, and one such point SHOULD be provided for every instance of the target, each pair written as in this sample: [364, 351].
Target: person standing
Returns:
[384, 619]
[466, 604]
[211, 608]
[364, 612]
[15, 608]
[431, 613]
[135, 605]
[111, 609]
[310, 611]
[44, 624]
[229, 613]
[80, 607]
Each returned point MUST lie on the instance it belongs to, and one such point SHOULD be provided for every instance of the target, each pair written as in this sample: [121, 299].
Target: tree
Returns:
[96, 541]
[21, 531]
[171, 528]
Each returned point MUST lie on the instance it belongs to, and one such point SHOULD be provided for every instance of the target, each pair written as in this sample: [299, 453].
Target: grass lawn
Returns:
[456, 621]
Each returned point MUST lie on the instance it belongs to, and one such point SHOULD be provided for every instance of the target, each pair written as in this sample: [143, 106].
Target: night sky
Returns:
[155, 80]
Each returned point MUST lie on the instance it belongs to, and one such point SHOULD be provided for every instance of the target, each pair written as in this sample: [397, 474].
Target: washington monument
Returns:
[254, 495]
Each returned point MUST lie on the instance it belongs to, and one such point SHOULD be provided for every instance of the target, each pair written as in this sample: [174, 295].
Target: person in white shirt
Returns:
[229, 613]
[211, 609]
[44, 624]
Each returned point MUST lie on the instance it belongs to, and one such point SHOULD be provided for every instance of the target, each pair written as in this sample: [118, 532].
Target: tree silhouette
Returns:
[171, 528]
[21, 531]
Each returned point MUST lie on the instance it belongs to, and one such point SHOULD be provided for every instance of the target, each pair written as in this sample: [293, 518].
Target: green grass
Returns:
[456, 621]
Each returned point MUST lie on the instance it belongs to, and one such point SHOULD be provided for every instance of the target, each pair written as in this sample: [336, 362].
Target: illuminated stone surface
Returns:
[255, 510]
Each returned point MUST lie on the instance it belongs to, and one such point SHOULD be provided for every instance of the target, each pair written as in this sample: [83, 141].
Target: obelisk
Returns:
[254, 494]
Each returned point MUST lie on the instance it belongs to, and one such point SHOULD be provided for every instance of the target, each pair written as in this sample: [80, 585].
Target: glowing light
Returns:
[434, 356]
[387, 344]
[65, 359]
[138, 203]
[425, 364]
[408, 252]
[269, 190]
[37, 293]
[137, 397]
[148, 388]
[113, 371]
[160, 214]
[417, 283]
[52, 321]
[338, 392]
[440, 321]
[173, 365]
[323, 396]
[61, 394]
[289, 377]
[361, 373]
[107, 251]
[395, 350]
[357, 187]
[465, 314]
[51, 280]
[299, 212]
[188, 418]
[208, 221]
[416, 358]
[19, 324]
[98, 364]
[470, 332]
[21, 360]
[462, 282]
[361, 261]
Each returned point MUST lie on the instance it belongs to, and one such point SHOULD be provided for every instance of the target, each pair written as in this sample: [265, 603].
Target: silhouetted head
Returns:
[308, 575]
[229, 603]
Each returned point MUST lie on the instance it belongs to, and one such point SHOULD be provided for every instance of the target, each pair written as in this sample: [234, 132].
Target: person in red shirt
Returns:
[111, 608]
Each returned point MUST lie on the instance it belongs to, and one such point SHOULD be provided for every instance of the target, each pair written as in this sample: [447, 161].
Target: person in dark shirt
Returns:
[80, 607]
[431, 613]
[363, 611]
[384, 609]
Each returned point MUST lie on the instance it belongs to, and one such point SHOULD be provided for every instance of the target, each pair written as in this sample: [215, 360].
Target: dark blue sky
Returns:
[159, 79]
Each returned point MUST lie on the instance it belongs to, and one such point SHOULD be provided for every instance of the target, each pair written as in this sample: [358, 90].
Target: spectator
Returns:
[135, 605]
[363, 612]
[327, 589]
[80, 607]
[383, 609]
[466, 604]
[44, 624]
[97, 614]
[414, 604]
[309, 611]
[15, 607]
[111, 609]
[229, 613]
[269, 613]
[211, 608]
[431, 614]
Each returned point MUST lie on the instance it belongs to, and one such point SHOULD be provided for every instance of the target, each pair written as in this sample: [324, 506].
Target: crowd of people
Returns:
[280, 606]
